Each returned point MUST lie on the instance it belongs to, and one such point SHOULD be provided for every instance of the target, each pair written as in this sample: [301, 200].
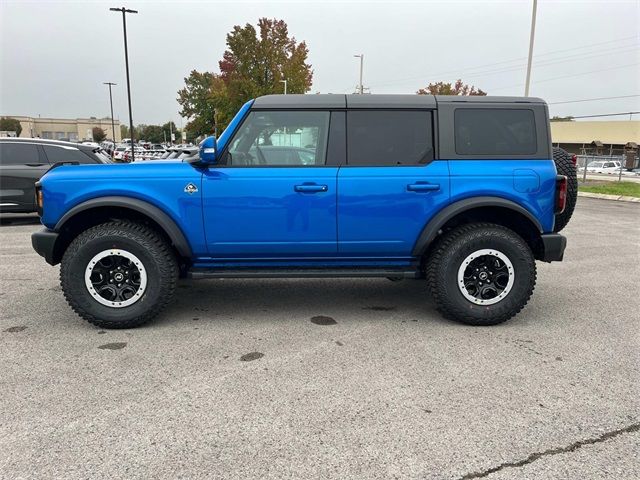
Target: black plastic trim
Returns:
[154, 213]
[43, 242]
[302, 273]
[554, 245]
[431, 229]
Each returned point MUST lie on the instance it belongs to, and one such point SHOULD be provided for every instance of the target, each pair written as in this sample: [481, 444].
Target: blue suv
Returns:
[462, 192]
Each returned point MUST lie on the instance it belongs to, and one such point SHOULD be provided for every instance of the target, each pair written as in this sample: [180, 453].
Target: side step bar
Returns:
[302, 273]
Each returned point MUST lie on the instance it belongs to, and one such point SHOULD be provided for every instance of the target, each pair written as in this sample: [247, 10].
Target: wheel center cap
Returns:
[118, 277]
[483, 275]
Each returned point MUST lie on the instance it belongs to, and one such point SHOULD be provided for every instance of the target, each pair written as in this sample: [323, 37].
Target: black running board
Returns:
[302, 273]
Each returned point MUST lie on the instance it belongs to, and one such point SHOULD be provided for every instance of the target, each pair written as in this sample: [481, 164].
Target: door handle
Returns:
[35, 164]
[423, 187]
[310, 188]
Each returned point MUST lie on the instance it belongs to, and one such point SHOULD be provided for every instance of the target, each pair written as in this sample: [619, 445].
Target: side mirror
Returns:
[208, 152]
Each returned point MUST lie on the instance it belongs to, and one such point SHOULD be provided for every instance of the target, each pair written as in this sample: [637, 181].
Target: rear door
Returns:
[392, 185]
[21, 165]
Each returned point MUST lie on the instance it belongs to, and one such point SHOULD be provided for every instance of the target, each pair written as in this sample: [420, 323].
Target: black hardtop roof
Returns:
[377, 101]
[44, 141]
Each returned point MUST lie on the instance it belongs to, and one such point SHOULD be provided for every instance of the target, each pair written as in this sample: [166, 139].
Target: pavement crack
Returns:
[553, 451]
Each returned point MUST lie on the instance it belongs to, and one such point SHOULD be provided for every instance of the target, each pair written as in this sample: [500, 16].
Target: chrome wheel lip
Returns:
[134, 260]
[491, 252]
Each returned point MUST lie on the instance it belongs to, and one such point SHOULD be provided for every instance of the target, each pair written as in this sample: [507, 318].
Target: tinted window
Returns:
[485, 131]
[57, 154]
[18, 153]
[280, 138]
[387, 137]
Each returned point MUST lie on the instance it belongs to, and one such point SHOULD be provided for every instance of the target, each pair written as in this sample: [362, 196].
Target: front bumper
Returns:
[554, 245]
[44, 242]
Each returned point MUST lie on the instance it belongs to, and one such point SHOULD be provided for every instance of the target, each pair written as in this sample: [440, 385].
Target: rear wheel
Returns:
[481, 274]
[118, 274]
[565, 166]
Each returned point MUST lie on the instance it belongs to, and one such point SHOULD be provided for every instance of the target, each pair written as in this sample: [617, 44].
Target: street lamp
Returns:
[360, 87]
[285, 85]
[113, 125]
[533, 32]
[126, 61]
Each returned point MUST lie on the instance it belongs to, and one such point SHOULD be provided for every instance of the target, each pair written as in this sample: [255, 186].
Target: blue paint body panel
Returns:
[257, 212]
[160, 183]
[378, 214]
[504, 179]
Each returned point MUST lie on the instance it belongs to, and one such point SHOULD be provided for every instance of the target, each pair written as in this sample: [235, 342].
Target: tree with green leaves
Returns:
[11, 125]
[254, 64]
[98, 134]
[457, 88]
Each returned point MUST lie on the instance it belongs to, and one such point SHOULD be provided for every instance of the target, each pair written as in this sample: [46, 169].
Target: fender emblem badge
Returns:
[190, 189]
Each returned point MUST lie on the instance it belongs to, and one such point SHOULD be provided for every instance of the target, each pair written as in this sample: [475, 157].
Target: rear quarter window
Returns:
[494, 131]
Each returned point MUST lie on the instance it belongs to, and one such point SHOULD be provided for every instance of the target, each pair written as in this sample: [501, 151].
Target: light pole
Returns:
[113, 125]
[285, 85]
[533, 33]
[360, 87]
[126, 61]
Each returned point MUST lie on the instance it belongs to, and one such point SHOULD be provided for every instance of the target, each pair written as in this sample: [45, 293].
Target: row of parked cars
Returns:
[127, 153]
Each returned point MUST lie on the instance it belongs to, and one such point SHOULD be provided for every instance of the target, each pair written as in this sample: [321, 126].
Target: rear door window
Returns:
[495, 131]
[389, 137]
[18, 154]
[61, 153]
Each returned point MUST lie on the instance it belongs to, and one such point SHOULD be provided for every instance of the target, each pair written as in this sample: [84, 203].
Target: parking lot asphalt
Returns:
[329, 378]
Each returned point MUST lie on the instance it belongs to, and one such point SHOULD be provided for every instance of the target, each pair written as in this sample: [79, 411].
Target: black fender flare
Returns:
[431, 229]
[154, 213]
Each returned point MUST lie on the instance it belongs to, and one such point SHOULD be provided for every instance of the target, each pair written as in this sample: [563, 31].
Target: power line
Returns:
[607, 115]
[592, 99]
[568, 76]
[623, 39]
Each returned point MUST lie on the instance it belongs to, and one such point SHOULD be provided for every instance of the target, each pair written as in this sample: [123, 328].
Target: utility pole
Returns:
[113, 125]
[360, 87]
[533, 33]
[285, 85]
[126, 61]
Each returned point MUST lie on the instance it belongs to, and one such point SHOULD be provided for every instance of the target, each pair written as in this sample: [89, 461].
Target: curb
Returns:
[602, 196]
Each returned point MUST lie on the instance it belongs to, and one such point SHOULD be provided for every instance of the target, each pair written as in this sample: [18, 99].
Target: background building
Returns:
[72, 129]
[597, 137]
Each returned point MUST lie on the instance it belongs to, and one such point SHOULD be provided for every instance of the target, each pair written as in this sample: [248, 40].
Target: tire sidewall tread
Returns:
[148, 245]
[447, 256]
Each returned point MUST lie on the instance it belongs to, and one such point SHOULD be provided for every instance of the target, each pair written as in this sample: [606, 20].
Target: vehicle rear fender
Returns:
[433, 228]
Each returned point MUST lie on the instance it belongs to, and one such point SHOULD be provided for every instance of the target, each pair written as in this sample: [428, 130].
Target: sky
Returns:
[55, 55]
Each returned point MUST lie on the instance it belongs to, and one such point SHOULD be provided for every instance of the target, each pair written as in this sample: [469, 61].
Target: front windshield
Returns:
[595, 164]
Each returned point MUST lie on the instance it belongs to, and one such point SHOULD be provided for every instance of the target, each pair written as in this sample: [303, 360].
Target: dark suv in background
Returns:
[24, 160]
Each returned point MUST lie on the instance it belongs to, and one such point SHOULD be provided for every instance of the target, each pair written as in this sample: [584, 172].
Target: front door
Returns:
[273, 196]
[391, 186]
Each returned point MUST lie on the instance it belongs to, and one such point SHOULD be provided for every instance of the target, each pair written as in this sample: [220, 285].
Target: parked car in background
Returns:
[189, 154]
[613, 166]
[137, 153]
[24, 160]
[119, 152]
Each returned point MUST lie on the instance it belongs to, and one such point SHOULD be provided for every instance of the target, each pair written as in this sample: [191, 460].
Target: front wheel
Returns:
[481, 274]
[118, 274]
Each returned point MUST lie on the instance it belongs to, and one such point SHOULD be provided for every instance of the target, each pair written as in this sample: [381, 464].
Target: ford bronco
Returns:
[462, 192]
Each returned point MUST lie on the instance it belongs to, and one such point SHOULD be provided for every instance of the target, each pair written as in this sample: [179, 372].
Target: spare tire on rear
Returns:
[565, 166]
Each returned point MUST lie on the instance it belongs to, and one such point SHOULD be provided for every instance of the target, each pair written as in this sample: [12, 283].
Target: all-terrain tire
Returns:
[156, 258]
[565, 166]
[450, 253]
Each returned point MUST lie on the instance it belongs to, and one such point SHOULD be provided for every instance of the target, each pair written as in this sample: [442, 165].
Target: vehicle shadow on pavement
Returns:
[14, 219]
[294, 298]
